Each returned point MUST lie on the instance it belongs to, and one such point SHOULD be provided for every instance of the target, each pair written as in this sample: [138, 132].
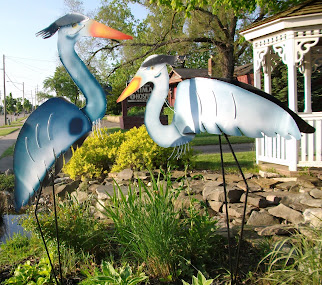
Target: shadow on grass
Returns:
[212, 161]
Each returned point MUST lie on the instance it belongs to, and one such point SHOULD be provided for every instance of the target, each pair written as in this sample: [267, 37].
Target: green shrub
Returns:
[115, 276]
[102, 152]
[78, 229]
[151, 231]
[29, 274]
[296, 260]
[7, 182]
[199, 280]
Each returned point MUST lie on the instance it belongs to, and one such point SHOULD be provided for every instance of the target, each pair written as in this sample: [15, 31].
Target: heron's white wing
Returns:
[215, 106]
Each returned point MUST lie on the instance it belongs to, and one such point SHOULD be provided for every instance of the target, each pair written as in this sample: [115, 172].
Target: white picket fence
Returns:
[292, 153]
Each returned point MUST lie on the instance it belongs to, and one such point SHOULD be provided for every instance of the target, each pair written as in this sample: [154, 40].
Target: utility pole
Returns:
[23, 98]
[4, 91]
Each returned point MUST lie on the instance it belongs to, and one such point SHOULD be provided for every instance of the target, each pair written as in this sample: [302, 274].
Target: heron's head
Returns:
[151, 70]
[76, 25]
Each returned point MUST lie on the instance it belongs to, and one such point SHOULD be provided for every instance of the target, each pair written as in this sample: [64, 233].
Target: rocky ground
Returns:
[275, 206]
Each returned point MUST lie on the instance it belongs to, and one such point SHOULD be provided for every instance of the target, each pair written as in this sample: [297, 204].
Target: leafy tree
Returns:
[27, 106]
[43, 96]
[11, 104]
[19, 108]
[198, 28]
[62, 84]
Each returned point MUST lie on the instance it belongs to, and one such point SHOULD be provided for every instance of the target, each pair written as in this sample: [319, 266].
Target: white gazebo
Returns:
[295, 37]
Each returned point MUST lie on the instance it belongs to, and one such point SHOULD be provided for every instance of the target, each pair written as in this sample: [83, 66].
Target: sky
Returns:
[29, 60]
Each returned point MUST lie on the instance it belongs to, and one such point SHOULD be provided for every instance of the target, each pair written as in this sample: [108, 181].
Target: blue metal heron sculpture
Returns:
[57, 124]
[217, 106]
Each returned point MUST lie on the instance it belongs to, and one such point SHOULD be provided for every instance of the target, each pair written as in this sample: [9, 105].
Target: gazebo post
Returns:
[307, 83]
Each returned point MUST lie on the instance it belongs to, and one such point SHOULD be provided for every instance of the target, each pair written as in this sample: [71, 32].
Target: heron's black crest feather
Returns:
[169, 59]
[66, 20]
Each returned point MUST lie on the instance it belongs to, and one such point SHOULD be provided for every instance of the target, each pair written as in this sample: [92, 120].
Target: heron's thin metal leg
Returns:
[43, 238]
[227, 215]
[245, 207]
[57, 231]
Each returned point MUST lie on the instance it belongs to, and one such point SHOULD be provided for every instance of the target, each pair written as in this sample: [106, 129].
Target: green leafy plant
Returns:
[117, 276]
[19, 247]
[199, 280]
[151, 230]
[30, 274]
[7, 182]
[78, 229]
[296, 260]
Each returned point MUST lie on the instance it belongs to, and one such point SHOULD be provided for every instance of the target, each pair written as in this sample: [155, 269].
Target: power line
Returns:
[32, 59]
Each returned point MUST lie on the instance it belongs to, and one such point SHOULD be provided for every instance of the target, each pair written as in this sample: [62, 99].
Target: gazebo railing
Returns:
[311, 144]
[306, 152]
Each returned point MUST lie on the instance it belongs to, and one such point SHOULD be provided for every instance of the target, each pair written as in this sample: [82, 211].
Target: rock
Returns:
[286, 213]
[273, 199]
[291, 186]
[99, 209]
[316, 193]
[209, 187]
[313, 216]
[237, 210]
[196, 187]
[230, 178]
[308, 181]
[103, 191]
[316, 203]
[265, 174]
[280, 230]
[141, 175]
[262, 218]
[218, 194]
[176, 174]
[125, 174]
[65, 189]
[80, 196]
[62, 180]
[285, 179]
[9, 172]
[211, 176]
[216, 206]
[265, 183]
[293, 198]
[255, 200]
[252, 186]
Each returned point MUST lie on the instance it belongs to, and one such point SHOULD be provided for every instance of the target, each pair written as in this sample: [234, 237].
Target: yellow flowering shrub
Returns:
[102, 152]
[96, 156]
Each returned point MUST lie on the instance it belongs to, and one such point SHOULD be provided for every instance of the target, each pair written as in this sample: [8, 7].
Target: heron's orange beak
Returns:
[99, 30]
[134, 85]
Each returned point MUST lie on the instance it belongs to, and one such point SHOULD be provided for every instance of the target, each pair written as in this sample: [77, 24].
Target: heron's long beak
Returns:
[134, 85]
[99, 30]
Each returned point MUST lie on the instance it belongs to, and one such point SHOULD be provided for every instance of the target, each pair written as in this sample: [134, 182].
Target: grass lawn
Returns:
[212, 162]
[8, 152]
[7, 131]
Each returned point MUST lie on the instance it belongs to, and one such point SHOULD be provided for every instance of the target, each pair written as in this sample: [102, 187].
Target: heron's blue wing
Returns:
[48, 132]
[215, 106]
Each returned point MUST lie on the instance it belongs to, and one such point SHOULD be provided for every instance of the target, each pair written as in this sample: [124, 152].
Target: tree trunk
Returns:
[228, 61]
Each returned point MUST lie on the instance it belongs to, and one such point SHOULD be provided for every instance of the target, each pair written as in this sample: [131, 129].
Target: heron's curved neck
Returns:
[165, 136]
[95, 107]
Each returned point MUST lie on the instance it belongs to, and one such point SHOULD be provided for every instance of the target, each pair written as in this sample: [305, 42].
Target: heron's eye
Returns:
[74, 25]
[152, 67]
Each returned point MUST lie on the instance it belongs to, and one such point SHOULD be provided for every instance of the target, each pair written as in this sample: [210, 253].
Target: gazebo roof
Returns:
[308, 13]
[307, 8]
